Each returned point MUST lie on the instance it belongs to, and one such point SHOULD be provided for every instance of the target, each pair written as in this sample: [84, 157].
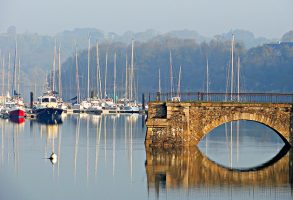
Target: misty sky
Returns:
[269, 18]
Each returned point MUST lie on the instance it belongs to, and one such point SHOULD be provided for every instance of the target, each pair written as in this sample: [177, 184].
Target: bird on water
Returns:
[53, 158]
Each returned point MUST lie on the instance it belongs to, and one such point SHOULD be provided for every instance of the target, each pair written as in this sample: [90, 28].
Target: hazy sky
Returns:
[270, 18]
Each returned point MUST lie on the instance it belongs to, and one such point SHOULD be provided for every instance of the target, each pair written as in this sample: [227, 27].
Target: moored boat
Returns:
[13, 108]
[94, 107]
[17, 110]
[47, 107]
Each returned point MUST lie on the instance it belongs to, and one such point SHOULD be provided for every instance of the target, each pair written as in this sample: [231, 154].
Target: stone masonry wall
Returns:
[185, 124]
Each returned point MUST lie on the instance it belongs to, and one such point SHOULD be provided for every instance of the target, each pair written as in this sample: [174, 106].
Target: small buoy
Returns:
[53, 158]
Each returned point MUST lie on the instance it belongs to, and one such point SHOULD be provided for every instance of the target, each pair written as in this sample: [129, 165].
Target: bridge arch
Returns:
[262, 119]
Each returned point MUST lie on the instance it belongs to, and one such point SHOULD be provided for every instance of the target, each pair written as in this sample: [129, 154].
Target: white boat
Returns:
[77, 108]
[95, 107]
[62, 105]
[127, 106]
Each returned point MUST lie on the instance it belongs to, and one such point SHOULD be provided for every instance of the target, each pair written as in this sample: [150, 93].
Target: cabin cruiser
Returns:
[94, 107]
[127, 106]
[81, 107]
[47, 107]
[108, 106]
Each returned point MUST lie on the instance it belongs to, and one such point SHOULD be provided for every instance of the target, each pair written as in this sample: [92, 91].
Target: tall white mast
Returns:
[8, 75]
[179, 82]
[3, 74]
[160, 80]
[132, 70]
[238, 78]
[54, 68]
[171, 72]
[77, 76]
[88, 66]
[59, 71]
[99, 84]
[106, 71]
[14, 68]
[18, 76]
[232, 66]
[207, 78]
[115, 59]
[126, 77]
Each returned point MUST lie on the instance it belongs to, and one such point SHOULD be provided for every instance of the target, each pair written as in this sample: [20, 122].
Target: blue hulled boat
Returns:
[47, 107]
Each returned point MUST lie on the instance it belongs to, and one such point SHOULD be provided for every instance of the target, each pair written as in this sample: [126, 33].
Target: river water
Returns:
[103, 157]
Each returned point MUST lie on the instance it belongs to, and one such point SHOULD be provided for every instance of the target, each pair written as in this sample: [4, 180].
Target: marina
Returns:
[174, 100]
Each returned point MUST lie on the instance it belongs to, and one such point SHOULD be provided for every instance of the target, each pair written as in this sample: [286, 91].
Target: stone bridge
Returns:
[186, 123]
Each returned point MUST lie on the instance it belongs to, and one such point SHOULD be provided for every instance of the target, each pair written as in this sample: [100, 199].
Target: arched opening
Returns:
[243, 144]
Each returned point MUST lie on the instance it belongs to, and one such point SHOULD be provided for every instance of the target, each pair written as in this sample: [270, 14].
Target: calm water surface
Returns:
[103, 157]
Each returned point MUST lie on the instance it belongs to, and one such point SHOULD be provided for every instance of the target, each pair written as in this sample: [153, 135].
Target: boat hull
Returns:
[48, 113]
[129, 111]
[96, 112]
[17, 113]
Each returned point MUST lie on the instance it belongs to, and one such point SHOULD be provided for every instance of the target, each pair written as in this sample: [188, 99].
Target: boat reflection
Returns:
[17, 120]
[50, 121]
[189, 168]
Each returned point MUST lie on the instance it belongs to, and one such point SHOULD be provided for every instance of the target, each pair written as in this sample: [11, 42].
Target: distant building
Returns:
[276, 47]
[279, 45]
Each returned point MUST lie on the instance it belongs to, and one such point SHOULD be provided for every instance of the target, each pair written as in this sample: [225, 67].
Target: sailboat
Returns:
[129, 104]
[174, 97]
[61, 103]
[177, 98]
[95, 103]
[14, 107]
[109, 104]
[77, 107]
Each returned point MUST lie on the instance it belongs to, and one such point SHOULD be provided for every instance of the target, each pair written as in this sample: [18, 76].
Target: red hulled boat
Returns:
[15, 108]
[17, 112]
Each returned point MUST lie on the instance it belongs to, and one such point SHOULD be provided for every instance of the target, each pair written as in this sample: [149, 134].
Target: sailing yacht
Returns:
[94, 106]
[129, 104]
[14, 107]
[79, 106]
[177, 98]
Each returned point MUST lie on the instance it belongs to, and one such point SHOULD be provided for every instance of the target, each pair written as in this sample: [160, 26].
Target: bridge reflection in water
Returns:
[188, 168]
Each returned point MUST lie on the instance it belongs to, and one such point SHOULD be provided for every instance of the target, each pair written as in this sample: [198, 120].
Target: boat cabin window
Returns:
[53, 100]
[45, 100]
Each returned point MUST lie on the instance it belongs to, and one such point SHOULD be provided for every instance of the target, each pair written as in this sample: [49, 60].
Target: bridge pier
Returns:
[171, 124]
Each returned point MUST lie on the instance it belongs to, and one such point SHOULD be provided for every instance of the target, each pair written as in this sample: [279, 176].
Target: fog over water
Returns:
[267, 18]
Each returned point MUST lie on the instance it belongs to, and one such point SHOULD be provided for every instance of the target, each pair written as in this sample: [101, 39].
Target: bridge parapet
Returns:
[224, 97]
